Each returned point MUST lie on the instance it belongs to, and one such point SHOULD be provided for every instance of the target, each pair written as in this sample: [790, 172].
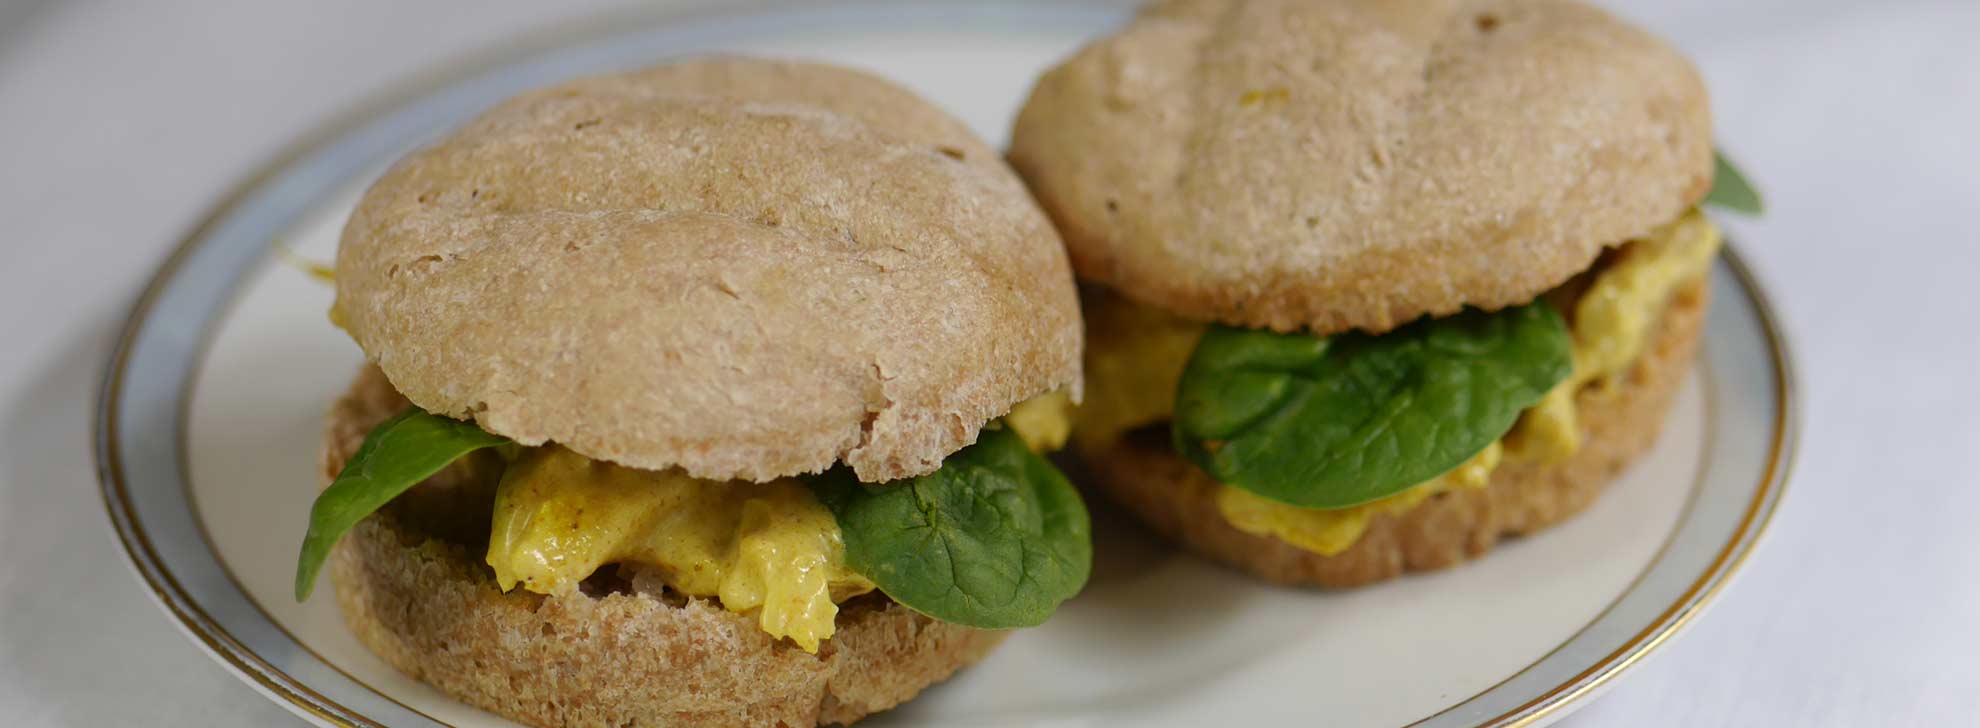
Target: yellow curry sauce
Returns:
[1136, 355]
[1332, 531]
[1043, 422]
[1611, 323]
[771, 548]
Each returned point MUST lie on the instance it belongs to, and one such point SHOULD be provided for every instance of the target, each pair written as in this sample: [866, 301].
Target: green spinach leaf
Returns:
[1730, 189]
[396, 456]
[995, 539]
[1333, 422]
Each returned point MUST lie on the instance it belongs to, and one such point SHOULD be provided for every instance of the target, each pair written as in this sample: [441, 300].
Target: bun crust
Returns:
[1336, 164]
[1178, 500]
[743, 268]
[633, 657]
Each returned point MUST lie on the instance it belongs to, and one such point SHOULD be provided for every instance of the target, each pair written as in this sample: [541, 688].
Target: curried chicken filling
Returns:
[1136, 355]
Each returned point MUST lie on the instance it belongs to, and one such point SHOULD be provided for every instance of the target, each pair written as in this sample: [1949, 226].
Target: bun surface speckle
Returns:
[1356, 164]
[743, 268]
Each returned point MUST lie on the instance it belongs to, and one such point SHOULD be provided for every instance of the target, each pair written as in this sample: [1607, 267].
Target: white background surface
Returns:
[121, 122]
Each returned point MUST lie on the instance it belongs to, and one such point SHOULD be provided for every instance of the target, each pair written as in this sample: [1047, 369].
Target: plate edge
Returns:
[207, 634]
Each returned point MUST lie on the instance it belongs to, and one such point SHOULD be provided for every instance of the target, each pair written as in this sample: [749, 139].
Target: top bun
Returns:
[743, 268]
[1336, 164]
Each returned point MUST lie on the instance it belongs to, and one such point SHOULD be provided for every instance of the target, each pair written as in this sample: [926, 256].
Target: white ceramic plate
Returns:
[211, 410]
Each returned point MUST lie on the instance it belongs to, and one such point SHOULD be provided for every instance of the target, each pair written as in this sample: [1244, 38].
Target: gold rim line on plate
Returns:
[1752, 526]
[1747, 286]
[206, 537]
[1706, 450]
[130, 534]
[139, 553]
[159, 580]
[208, 632]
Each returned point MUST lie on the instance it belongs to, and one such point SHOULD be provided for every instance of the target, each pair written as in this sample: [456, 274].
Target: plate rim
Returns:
[1726, 564]
[265, 678]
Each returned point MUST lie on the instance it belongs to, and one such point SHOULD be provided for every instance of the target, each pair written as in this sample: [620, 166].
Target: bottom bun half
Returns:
[413, 590]
[1143, 473]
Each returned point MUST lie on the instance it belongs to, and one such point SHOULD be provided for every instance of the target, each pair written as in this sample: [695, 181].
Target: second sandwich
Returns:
[1373, 284]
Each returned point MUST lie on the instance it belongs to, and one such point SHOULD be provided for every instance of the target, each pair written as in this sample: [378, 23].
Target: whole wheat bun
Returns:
[743, 268]
[1335, 164]
[413, 591]
[1144, 474]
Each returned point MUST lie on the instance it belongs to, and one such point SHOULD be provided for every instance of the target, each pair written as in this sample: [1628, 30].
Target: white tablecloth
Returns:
[121, 122]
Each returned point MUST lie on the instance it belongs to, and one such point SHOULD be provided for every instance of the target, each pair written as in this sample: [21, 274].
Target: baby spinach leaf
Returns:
[396, 456]
[1332, 422]
[995, 539]
[1730, 189]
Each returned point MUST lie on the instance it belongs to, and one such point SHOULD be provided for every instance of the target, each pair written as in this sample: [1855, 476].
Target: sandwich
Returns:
[1372, 285]
[709, 394]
